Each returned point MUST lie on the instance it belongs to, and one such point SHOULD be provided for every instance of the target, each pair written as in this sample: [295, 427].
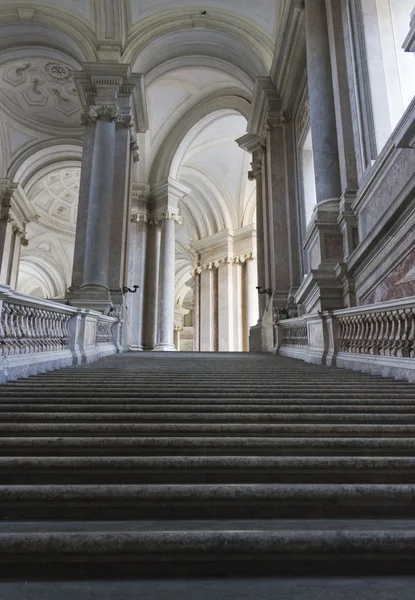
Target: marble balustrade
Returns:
[38, 335]
[377, 338]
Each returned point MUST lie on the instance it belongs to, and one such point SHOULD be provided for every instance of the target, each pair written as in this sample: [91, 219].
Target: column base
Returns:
[136, 349]
[164, 348]
[91, 297]
[320, 290]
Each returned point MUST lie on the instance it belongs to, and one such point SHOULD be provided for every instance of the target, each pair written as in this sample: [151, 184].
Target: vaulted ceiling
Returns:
[199, 61]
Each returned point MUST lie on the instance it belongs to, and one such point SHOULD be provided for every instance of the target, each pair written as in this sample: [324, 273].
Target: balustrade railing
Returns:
[384, 333]
[28, 329]
[104, 334]
[376, 338]
[38, 335]
[294, 334]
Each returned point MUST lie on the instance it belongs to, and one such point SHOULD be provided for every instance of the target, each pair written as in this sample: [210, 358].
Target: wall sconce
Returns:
[261, 291]
[126, 289]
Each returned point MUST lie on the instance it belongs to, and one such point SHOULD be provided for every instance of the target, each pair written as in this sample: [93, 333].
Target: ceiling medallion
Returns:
[57, 72]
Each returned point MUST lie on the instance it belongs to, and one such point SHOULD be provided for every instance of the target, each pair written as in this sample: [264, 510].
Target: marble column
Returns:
[256, 174]
[206, 310]
[6, 248]
[101, 251]
[165, 197]
[136, 275]
[321, 288]
[15, 213]
[322, 112]
[251, 282]
[196, 311]
[152, 283]
[165, 340]
[97, 246]
[177, 331]
[277, 206]
[226, 305]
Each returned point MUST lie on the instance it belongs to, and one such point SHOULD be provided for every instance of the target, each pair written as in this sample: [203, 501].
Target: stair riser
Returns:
[171, 510]
[106, 477]
[160, 419]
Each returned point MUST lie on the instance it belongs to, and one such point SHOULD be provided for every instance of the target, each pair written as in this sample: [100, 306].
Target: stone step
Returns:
[222, 469]
[330, 415]
[206, 429]
[206, 446]
[204, 501]
[173, 397]
[102, 408]
[277, 547]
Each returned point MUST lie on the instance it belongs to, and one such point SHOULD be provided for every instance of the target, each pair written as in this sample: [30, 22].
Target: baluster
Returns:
[54, 329]
[384, 340]
[7, 330]
[355, 334]
[393, 333]
[14, 347]
[65, 331]
[411, 335]
[376, 333]
[3, 330]
[405, 330]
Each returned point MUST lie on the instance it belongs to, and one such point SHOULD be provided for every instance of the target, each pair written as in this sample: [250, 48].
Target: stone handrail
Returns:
[37, 335]
[26, 328]
[383, 330]
[376, 338]
[293, 332]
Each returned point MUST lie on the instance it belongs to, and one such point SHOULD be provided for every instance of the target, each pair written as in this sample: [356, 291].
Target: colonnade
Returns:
[225, 303]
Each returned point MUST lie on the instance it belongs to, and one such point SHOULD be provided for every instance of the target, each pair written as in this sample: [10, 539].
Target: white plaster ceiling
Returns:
[54, 198]
[261, 12]
[175, 94]
[40, 91]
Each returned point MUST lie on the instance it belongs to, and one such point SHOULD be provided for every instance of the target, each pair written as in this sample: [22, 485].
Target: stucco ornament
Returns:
[102, 111]
[57, 71]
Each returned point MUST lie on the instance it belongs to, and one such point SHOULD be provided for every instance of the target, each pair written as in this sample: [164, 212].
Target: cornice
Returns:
[266, 101]
[409, 43]
[287, 42]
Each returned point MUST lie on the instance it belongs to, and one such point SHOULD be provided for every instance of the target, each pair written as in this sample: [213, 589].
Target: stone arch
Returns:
[50, 26]
[232, 99]
[148, 43]
[45, 154]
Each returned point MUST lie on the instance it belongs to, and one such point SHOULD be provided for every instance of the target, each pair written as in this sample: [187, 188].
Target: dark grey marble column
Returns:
[322, 113]
[97, 243]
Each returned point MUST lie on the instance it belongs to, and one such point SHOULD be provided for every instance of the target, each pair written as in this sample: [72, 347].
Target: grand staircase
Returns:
[210, 464]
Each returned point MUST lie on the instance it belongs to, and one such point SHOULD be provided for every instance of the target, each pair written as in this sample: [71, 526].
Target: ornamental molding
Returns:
[250, 143]
[290, 44]
[266, 104]
[238, 259]
[104, 112]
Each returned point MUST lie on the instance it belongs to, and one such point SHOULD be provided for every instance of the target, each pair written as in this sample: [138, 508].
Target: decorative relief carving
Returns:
[104, 112]
[57, 72]
[41, 91]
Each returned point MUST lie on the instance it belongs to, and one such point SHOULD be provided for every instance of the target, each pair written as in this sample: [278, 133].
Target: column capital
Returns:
[109, 91]
[277, 119]
[165, 197]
